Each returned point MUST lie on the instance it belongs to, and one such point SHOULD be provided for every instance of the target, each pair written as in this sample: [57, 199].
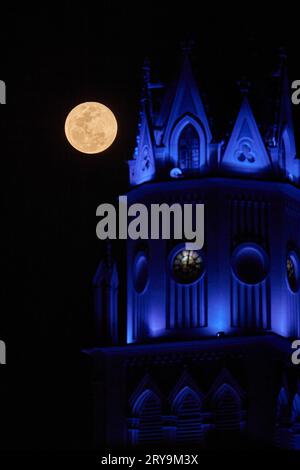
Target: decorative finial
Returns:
[280, 66]
[145, 102]
[187, 46]
[146, 71]
[282, 55]
[146, 81]
[244, 86]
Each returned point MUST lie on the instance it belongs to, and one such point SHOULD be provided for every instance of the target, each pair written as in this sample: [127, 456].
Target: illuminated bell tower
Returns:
[230, 287]
[203, 326]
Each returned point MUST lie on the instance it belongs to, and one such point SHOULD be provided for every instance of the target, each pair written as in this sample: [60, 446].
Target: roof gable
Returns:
[245, 151]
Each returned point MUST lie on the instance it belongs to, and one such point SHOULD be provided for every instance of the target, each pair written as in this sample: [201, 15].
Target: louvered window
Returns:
[148, 410]
[188, 412]
[227, 409]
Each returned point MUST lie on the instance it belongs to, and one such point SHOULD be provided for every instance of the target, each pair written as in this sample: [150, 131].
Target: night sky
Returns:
[53, 58]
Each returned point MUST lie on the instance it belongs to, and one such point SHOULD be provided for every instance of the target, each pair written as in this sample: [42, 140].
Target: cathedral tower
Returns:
[203, 327]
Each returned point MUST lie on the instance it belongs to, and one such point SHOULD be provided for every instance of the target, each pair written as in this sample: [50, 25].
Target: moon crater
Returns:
[91, 127]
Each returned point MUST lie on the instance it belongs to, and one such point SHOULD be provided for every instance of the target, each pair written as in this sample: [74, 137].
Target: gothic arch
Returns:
[179, 127]
[187, 407]
[226, 404]
[184, 396]
[147, 413]
[188, 148]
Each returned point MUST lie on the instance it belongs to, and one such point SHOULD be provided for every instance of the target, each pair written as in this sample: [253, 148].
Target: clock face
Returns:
[187, 266]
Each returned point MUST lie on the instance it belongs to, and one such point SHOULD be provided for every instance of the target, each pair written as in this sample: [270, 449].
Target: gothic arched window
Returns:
[188, 148]
[147, 409]
[187, 406]
[227, 409]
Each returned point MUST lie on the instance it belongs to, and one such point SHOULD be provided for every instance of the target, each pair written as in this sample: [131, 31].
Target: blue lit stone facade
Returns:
[205, 363]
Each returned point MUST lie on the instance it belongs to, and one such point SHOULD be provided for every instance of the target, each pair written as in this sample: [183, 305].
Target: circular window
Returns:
[292, 271]
[250, 263]
[140, 272]
[187, 266]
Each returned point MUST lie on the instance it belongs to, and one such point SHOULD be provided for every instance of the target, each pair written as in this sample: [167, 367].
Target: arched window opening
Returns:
[189, 148]
[187, 407]
[147, 409]
[227, 409]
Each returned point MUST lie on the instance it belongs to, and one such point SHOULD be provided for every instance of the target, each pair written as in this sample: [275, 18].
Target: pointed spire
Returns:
[146, 79]
[283, 120]
[284, 80]
[183, 102]
[146, 69]
[187, 46]
[145, 101]
[244, 86]
[281, 75]
[142, 166]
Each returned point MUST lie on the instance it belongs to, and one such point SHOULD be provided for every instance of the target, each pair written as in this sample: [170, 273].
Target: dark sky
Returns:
[54, 57]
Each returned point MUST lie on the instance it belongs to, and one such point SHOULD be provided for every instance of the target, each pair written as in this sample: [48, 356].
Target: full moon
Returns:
[91, 127]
